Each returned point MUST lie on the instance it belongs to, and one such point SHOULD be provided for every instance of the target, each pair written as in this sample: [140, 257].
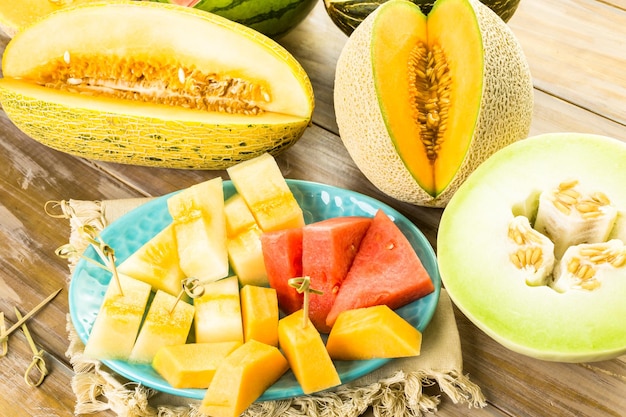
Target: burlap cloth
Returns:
[393, 390]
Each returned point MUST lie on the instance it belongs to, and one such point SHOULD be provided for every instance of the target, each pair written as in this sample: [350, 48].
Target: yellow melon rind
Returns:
[138, 133]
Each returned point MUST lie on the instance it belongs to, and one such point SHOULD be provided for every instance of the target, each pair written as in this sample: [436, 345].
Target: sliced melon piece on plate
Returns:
[200, 229]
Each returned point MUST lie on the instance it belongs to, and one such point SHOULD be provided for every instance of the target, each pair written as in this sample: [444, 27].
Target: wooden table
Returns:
[577, 55]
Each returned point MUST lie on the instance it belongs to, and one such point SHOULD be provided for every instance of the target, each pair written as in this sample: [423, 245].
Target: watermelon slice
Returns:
[386, 270]
[282, 254]
[328, 249]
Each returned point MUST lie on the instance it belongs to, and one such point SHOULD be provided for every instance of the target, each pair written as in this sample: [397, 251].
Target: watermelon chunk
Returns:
[328, 249]
[386, 270]
[282, 254]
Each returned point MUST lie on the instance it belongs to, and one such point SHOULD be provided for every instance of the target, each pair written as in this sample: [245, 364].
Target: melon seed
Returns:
[429, 88]
[142, 80]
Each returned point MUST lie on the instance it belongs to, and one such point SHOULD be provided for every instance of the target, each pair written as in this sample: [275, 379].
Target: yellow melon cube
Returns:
[259, 310]
[218, 312]
[245, 253]
[238, 216]
[372, 332]
[191, 365]
[265, 190]
[308, 358]
[242, 378]
[116, 326]
[200, 229]
[167, 323]
[157, 263]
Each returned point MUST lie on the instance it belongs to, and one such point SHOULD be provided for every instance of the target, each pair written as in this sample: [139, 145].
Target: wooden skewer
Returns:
[30, 314]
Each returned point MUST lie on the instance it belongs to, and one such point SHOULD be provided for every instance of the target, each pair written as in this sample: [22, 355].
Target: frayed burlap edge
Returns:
[389, 392]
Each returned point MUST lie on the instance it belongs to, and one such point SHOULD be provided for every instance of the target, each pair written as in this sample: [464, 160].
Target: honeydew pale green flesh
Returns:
[574, 326]
[144, 133]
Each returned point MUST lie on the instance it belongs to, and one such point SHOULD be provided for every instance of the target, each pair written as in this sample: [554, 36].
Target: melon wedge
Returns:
[211, 92]
[218, 312]
[191, 365]
[167, 322]
[372, 332]
[117, 324]
[200, 230]
[264, 189]
[328, 249]
[156, 263]
[386, 270]
[282, 254]
[259, 314]
[307, 355]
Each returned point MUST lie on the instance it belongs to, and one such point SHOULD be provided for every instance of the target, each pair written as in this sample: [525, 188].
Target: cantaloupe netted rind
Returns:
[503, 96]
[573, 326]
[154, 84]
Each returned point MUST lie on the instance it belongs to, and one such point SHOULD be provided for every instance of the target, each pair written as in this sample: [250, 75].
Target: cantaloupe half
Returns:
[421, 100]
[154, 84]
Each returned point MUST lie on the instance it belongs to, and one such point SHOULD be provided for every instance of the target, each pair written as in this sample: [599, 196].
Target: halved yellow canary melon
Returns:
[154, 84]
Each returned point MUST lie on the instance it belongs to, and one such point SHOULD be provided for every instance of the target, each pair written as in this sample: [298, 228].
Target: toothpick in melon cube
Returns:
[167, 323]
[218, 312]
[117, 324]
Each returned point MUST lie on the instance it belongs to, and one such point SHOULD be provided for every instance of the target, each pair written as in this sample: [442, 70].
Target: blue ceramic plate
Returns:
[318, 202]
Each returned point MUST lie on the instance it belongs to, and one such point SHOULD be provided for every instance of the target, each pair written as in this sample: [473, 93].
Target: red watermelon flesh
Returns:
[282, 254]
[385, 271]
[328, 249]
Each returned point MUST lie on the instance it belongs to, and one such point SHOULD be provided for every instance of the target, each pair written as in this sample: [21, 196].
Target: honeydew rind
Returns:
[574, 326]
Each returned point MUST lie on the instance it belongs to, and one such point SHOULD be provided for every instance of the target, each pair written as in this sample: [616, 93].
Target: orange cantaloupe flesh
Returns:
[242, 378]
[259, 312]
[372, 332]
[191, 365]
[308, 358]
[390, 55]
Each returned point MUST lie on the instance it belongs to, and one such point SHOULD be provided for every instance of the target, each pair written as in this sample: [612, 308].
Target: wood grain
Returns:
[577, 55]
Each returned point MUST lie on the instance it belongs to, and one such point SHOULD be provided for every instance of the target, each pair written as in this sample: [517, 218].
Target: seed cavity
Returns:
[154, 82]
[429, 88]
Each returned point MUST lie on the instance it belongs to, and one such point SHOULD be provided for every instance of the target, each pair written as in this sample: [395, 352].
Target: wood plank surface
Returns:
[577, 55]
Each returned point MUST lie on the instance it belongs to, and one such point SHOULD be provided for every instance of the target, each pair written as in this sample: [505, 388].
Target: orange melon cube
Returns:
[167, 323]
[191, 365]
[259, 310]
[372, 332]
[262, 185]
[242, 378]
[308, 358]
